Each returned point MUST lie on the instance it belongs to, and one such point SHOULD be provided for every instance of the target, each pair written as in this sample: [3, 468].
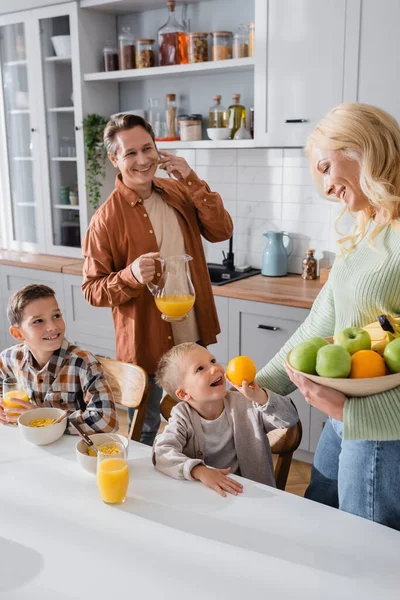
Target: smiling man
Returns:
[145, 218]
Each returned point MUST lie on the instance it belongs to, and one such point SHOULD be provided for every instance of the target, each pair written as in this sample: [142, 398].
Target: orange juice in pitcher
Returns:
[174, 295]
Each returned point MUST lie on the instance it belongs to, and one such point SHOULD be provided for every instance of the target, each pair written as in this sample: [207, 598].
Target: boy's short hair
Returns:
[21, 298]
[168, 374]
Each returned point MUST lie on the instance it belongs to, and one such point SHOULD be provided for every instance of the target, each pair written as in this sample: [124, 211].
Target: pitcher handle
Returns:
[152, 286]
[289, 247]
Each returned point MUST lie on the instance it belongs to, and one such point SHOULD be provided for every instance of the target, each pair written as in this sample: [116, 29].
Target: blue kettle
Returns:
[275, 257]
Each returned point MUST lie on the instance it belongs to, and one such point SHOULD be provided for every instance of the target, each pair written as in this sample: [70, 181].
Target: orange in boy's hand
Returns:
[367, 363]
[241, 369]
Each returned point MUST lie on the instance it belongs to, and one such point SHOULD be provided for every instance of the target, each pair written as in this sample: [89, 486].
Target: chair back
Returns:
[283, 443]
[130, 387]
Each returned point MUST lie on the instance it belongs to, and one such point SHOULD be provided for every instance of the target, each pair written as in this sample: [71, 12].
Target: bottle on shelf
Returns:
[242, 133]
[126, 49]
[217, 116]
[170, 117]
[236, 112]
[309, 269]
[172, 40]
[251, 28]
[154, 117]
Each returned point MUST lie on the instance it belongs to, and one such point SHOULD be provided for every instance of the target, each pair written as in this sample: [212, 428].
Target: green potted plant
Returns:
[96, 155]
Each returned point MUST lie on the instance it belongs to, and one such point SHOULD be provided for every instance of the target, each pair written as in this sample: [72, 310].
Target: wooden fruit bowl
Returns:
[354, 387]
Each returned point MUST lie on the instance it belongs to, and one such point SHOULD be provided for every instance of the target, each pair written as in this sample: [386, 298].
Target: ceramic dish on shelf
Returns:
[62, 45]
[219, 133]
[354, 387]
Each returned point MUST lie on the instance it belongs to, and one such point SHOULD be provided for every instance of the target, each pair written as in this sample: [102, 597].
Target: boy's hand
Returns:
[10, 415]
[252, 392]
[216, 480]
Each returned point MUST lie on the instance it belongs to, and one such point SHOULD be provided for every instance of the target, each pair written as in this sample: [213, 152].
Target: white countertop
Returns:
[175, 540]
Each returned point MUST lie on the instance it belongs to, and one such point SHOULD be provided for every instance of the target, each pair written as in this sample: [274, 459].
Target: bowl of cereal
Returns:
[37, 425]
[87, 458]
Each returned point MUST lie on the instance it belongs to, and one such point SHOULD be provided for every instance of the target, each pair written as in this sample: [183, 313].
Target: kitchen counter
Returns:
[291, 290]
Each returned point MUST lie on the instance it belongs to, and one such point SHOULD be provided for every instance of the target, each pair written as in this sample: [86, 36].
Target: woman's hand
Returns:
[10, 415]
[174, 165]
[329, 401]
[251, 391]
[144, 268]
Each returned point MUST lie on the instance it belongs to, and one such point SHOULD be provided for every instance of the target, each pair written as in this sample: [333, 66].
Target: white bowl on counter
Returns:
[41, 436]
[89, 463]
[62, 45]
[219, 133]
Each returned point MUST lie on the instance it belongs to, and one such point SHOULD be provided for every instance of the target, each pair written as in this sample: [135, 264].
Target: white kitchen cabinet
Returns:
[259, 331]
[299, 68]
[221, 348]
[42, 105]
[379, 55]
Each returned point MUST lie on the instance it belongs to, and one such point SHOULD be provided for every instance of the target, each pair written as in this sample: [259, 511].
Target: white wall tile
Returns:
[227, 191]
[257, 192]
[216, 158]
[294, 157]
[297, 176]
[270, 175]
[298, 193]
[259, 210]
[213, 174]
[306, 213]
[260, 157]
[316, 231]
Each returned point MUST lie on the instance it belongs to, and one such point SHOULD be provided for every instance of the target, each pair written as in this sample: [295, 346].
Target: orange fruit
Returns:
[241, 369]
[366, 364]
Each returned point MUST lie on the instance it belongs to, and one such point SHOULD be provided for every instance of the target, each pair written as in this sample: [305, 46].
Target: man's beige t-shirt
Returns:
[170, 242]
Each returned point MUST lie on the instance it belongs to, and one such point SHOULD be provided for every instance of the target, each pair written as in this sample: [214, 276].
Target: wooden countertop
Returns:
[291, 290]
[43, 262]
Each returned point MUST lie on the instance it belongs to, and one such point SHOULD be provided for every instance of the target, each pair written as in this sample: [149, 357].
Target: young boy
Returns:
[213, 428]
[53, 371]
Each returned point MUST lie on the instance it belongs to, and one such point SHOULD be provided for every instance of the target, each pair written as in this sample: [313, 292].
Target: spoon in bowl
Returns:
[85, 438]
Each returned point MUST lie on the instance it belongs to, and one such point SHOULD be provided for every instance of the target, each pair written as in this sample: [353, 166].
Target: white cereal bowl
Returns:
[219, 133]
[62, 45]
[89, 463]
[41, 436]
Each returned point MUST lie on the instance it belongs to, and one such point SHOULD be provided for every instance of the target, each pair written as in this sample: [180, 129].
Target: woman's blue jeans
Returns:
[358, 476]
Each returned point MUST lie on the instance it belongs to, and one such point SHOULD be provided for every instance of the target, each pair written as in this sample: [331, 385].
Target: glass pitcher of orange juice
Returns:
[13, 389]
[174, 295]
[112, 473]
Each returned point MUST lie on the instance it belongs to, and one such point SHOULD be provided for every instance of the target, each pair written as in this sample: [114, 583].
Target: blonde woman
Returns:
[354, 154]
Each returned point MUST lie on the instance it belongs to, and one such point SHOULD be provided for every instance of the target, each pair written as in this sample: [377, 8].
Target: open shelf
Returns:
[64, 158]
[23, 158]
[19, 111]
[61, 109]
[16, 63]
[66, 206]
[206, 144]
[206, 68]
[26, 204]
[122, 7]
[58, 59]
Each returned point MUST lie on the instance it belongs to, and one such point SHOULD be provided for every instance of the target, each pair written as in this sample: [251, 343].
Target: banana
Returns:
[383, 331]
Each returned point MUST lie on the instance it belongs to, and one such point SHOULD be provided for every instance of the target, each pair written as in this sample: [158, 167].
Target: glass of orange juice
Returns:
[112, 473]
[13, 389]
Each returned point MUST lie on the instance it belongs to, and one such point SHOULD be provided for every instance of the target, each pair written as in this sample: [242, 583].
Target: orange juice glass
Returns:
[112, 475]
[12, 389]
[175, 306]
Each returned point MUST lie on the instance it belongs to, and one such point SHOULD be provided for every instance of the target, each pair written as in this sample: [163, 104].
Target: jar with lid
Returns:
[240, 47]
[126, 49]
[170, 117]
[236, 114]
[144, 54]
[110, 55]
[217, 115]
[198, 47]
[251, 28]
[309, 269]
[190, 127]
[222, 45]
[172, 40]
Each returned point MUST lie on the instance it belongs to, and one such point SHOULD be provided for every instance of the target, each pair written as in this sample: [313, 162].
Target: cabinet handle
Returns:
[268, 327]
[33, 130]
[296, 121]
[77, 128]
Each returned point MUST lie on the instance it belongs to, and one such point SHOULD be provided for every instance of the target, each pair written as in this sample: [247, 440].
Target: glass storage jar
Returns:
[126, 49]
[222, 45]
[198, 47]
[240, 47]
[170, 117]
[110, 55]
[172, 40]
[144, 54]
[190, 127]
[251, 28]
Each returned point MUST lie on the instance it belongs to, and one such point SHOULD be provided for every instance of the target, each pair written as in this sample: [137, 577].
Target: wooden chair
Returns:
[130, 387]
[283, 443]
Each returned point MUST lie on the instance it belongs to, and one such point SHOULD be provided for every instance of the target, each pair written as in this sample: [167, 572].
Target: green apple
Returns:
[318, 341]
[333, 361]
[353, 339]
[303, 357]
[392, 355]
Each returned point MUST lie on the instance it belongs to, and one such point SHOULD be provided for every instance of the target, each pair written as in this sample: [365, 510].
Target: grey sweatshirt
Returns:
[180, 447]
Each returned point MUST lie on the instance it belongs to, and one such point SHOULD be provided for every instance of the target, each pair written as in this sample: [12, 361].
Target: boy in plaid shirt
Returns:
[54, 372]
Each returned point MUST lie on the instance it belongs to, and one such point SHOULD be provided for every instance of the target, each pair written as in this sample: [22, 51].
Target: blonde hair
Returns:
[370, 136]
[168, 373]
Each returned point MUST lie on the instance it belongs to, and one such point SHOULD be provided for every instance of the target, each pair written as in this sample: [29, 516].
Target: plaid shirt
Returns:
[73, 380]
